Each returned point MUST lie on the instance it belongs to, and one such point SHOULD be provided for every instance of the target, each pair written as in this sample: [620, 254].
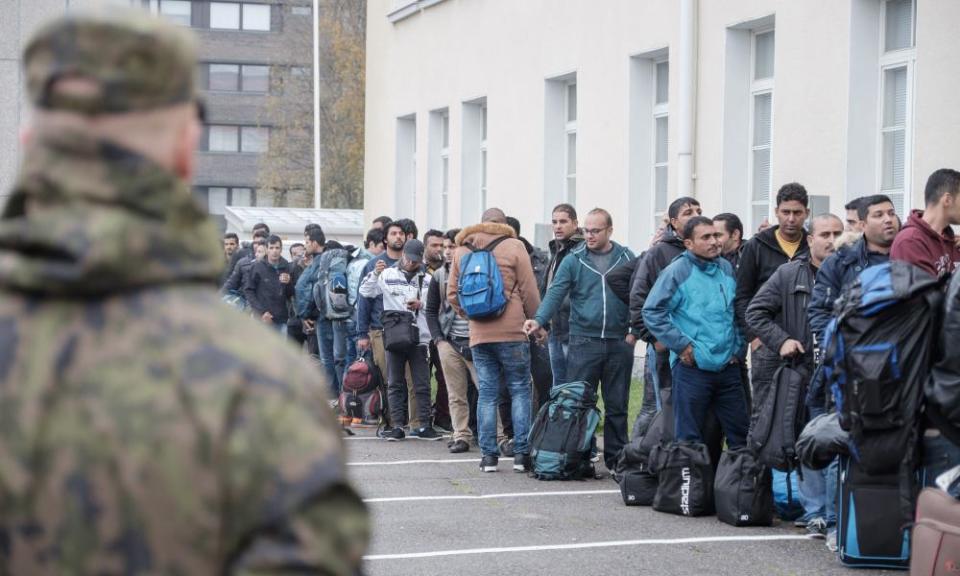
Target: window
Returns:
[661, 108]
[896, 100]
[483, 156]
[177, 11]
[438, 165]
[234, 77]
[248, 139]
[224, 77]
[473, 160]
[570, 147]
[254, 139]
[255, 78]
[301, 11]
[236, 16]
[223, 139]
[761, 120]
[405, 186]
[217, 198]
[445, 163]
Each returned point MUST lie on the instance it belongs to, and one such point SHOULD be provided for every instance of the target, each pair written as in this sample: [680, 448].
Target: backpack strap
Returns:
[489, 247]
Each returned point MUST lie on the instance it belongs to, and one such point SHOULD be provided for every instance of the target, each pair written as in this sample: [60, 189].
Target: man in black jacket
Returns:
[762, 255]
[268, 287]
[648, 268]
[730, 229]
[566, 237]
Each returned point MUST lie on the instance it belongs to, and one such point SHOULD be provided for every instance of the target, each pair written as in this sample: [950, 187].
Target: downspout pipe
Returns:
[316, 103]
[686, 124]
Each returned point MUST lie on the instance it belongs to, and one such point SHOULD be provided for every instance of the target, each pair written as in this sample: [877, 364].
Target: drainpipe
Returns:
[316, 103]
[686, 124]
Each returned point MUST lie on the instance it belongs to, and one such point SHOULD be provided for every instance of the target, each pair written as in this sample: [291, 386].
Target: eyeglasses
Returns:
[593, 231]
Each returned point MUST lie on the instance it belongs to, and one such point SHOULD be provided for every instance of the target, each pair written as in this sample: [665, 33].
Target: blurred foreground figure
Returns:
[137, 433]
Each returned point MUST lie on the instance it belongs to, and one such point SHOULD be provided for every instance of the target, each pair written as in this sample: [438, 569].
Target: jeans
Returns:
[818, 489]
[415, 358]
[558, 358]
[509, 361]
[610, 361]
[939, 455]
[325, 343]
[696, 390]
[341, 339]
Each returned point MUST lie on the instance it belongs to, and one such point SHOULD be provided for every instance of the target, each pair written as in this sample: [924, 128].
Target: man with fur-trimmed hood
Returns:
[499, 344]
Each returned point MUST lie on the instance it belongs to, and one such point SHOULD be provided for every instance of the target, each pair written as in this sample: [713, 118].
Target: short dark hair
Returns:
[515, 224]
[408, 226]
[731, 222]
[793, 191]
[260, 233]
[383, 220]
[311, 226]
[274, 239]
[388, 226]
[451, 235]
[332, 245]
[432, 233]
[942, 181]
[261, 225]
[692, 224]
[674, 210]
[231, 236]
[853, 204]
[602, 212]
[374, 237]
[567, 208]
[258, 242]
[316, 235]
[295, 245]
[868, 201]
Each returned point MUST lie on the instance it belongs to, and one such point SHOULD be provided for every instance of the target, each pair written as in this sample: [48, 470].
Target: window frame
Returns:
[660, 110]
[760, 87]
[444, 167]
[570, 129]
[484, 158]
[241, 9]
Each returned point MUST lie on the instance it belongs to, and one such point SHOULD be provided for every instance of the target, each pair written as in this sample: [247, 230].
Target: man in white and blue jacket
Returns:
[691, 311]
[601, 348]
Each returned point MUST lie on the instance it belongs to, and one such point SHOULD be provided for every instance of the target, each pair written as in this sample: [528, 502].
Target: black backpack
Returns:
[685, 477]
[562, 433]
[742, 490]
[634, 470]
[779, 416]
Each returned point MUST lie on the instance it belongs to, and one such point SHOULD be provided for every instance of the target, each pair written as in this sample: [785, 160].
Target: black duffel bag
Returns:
[685, 476]
[742, 490]
[400, 330]
[638, 485]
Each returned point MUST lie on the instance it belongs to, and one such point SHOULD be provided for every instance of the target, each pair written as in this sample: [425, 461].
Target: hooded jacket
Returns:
[519, 283]
[395, 287]
[559, 249]
[760, 258]
[265, 292]
[138, 426]
[919, 244]
[595, 311]
[692, 304]
[645, 276]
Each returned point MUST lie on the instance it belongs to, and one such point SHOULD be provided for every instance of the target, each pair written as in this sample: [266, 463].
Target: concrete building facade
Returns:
[628, 104]
[255, 59]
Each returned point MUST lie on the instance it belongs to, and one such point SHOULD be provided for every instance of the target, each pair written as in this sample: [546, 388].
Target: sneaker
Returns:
[443, 426]
[800, 523]
[489, 463]
[411, 432]
[521, 462]
[817, 528]
[334, 404]
[506, 448]
[832, 540]
[392, 434]
[426, 433]
[458, 447]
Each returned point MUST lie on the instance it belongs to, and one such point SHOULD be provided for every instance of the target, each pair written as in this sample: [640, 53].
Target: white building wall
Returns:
[456, 51]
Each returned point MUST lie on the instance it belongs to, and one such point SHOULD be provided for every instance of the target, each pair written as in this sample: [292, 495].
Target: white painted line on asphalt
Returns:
[362, 438]
[616, 543]
[402, 462]
[489, 496]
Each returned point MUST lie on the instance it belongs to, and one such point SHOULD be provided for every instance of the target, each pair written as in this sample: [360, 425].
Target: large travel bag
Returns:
[685, 477]
[936, 535]
[742, 490]
[871, 529]
[562, 433]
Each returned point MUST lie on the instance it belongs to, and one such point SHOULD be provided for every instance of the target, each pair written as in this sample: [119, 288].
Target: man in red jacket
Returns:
[927, 241]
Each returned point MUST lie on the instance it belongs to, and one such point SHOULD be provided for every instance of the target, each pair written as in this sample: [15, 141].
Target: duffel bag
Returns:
[685, 477]
[742, 490]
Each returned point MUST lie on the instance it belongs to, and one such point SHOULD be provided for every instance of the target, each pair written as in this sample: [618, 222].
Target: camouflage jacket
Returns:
[138, 434]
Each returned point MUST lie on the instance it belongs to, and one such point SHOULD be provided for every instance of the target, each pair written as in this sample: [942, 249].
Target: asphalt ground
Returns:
[435, 513]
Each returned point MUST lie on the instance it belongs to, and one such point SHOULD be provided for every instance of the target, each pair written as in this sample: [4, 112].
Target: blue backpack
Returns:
[480, 288]
[561, 436]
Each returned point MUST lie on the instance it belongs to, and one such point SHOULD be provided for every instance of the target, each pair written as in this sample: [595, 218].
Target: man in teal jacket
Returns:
[691, 310]
[601, 349]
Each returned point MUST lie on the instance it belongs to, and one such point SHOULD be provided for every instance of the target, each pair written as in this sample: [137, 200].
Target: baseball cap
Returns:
[413, 250]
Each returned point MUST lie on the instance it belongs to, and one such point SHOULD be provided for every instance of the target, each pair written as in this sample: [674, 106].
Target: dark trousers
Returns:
[416, 357]
[441, 406]
[695, 391]
[606, 361]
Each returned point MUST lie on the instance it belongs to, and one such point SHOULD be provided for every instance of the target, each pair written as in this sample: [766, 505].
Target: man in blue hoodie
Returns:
[691, 311]
[601, 348]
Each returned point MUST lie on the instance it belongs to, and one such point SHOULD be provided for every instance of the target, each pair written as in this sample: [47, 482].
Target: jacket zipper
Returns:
[603, 286]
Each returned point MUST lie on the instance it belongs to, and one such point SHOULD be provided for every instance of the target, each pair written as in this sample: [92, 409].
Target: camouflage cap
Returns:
[137, 61]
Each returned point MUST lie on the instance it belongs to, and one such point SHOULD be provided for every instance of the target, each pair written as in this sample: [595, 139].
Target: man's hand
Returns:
[791, 348]
[687, 356]
[413, 305]
[284, 278]
[659, 347]
[631, 340]
[754, 344]
[531, 326]
[363, 344]
[381, 264]
[540, 336]
[267, 318]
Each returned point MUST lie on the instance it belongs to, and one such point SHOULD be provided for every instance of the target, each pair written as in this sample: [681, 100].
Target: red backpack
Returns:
[361, 396]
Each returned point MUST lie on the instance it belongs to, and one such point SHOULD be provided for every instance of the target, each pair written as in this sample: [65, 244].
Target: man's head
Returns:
[412, 258]
[120, 77]
[494, 215]
[942, 189]
[297, 250]
[853, 223]
[597, 229]
[450, 244]
[374, 241]
[230, 243]
[259, 249]
[824, 230]
[381, 221]
[274, 249]
[394, 237]
[260, 235]
[314, 239]
[409, 228]
[433, 245]
[730, 230]
[515, 224]
[880, 222]
[564, 221]
[681, 210]
[700, 237]
[792, 210]
[261, 226]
